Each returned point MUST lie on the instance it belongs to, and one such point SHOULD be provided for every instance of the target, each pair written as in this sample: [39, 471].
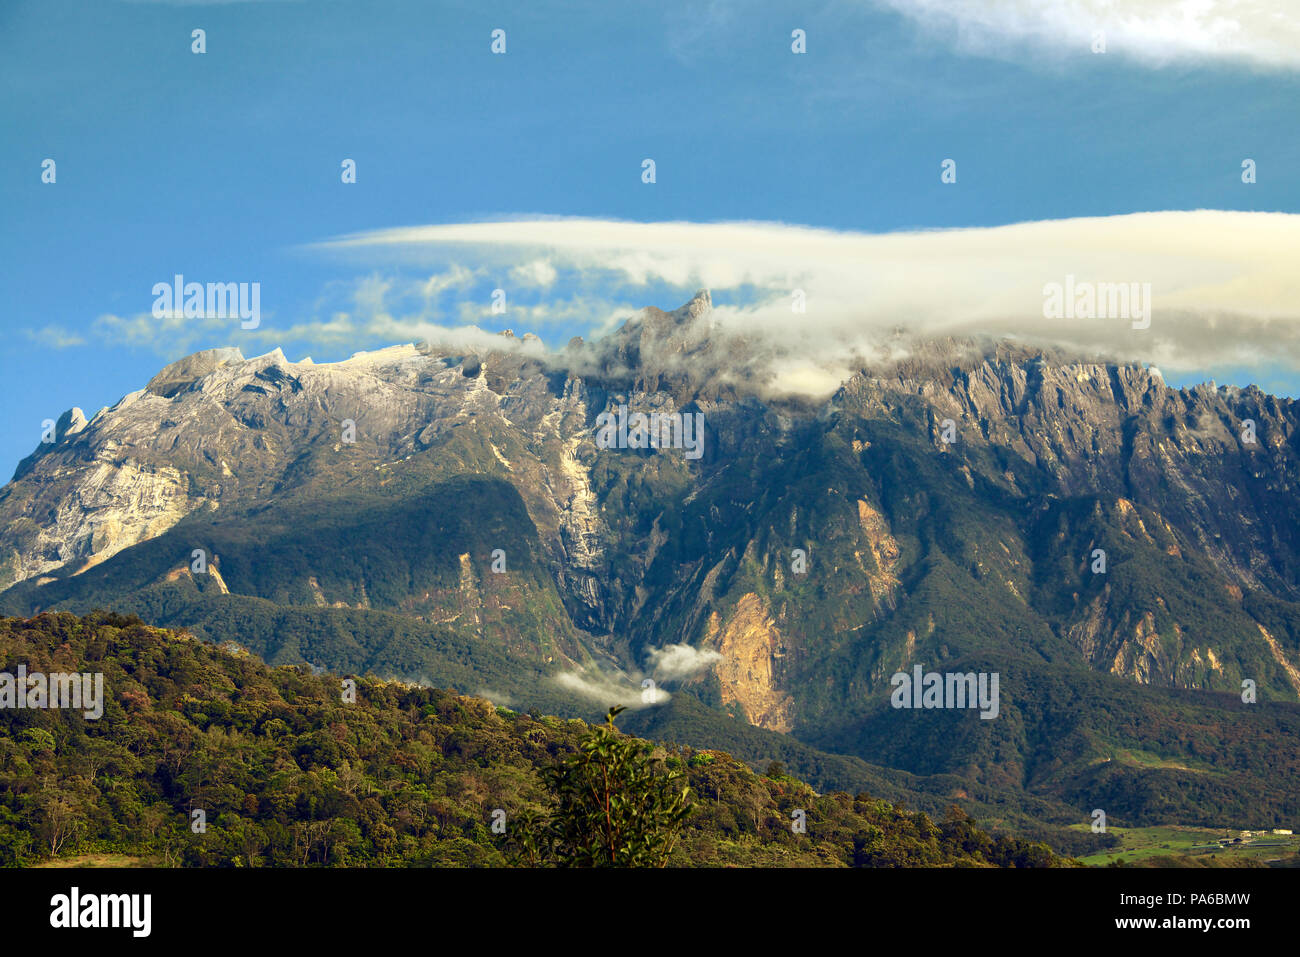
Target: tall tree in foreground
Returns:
[615, 806]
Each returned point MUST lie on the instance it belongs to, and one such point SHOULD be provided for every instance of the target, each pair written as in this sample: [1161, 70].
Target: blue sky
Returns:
[225, 166]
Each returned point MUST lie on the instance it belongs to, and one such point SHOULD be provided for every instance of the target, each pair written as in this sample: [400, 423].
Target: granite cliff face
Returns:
[1219, 463]
[946, 507]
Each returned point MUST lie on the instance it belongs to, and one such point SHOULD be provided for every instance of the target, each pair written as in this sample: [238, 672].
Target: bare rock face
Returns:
[1095, 429]
[752, 649]
[110, 508]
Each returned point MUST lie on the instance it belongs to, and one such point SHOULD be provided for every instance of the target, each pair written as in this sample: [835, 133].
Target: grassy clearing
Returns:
[1143, 843]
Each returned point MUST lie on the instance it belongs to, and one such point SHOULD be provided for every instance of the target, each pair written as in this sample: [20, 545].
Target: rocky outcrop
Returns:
[1290, 670]
[1089, 428]
[106, 507]
[751, 649]
[185, 372]
[884, 552]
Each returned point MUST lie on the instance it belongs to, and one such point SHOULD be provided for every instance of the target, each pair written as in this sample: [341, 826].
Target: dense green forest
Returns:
[286, 772]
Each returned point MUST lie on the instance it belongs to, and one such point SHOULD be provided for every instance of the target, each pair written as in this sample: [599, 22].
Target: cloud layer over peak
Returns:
[1223, 285]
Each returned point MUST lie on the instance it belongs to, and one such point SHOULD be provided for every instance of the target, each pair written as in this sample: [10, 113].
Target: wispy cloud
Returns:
[447, 306]
[55, 337]
[610, 688]
[1256, 32]
[205, 3]
[635, 689]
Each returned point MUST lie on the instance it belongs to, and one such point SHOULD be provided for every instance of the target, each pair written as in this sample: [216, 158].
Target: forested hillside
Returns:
[286, 772]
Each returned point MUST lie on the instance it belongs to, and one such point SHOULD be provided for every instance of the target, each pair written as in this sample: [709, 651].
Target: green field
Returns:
[1144, 843]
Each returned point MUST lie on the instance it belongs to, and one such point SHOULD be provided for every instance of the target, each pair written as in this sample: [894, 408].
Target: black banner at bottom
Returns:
[338, 907]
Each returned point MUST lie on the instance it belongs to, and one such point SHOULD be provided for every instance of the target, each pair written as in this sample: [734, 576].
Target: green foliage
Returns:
[615, 806]
[288, 774]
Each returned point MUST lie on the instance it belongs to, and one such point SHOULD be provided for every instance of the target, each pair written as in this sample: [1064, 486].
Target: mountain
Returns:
[451, 518]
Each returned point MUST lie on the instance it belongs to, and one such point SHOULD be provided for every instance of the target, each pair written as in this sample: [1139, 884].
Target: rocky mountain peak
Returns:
[70, 423]
[183, 373]
[701, 304]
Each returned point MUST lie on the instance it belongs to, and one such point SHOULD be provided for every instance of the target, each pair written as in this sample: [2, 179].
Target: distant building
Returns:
[1282, 830]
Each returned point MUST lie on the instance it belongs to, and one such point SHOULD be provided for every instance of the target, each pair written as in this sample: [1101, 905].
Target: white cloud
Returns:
[1224, 287]
[634, 689]
[1259, 32]
[537, 273]
[456, 277]
[170, 334]
[611, 688]
[1224, 284]
[674, 662]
